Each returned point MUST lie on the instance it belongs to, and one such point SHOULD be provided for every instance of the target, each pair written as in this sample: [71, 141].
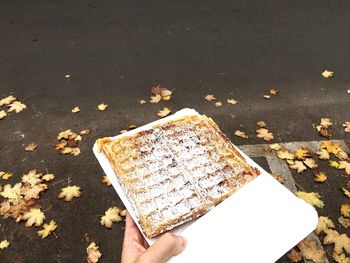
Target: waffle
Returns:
[176, 171]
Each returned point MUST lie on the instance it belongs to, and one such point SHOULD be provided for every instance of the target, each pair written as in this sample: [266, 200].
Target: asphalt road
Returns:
[115, 51]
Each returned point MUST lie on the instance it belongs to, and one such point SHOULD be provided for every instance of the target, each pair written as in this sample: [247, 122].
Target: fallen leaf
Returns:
[344, 165]
[164, 112]
[11, 192]
[218, 104]
[346, 192]
[334, 164]
[210, 97]
[285, 154]
[32, 178]
[324, 223]
[48, 177]
[345, 210]
[324, 132]
[30, 147]
[309, 162]
[341, 241]
[299, 166]
[345, 222]
[33, 192]
[111, 215]
[2, 114]
[123, 212]
[311, 198]
[15, 208]
[67, 134]
[261, 124]
[294, 256]
[155, 99]
[84, 132]
[6, 176]
[310, 251]
[275, 147]
[69, 192]
[142, 102]
[47, 229]
[16, 106]
[340, 258]
[342, 155]
[264, 134]
[93, 254]
[7, 100]
[331, 147]
[328, 74]
[241, 134]
[102, 107]
[320, 177]
[267, 97]
[323, 154]
[231, 101]
[4, 244]
[346, 125]
[106, 181]
[76, 109]
[326, 122]
[33, 217]
[274, 91]
[302, 153]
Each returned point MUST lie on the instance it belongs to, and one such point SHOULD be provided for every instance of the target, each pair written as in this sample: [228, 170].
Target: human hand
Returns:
[136, 249]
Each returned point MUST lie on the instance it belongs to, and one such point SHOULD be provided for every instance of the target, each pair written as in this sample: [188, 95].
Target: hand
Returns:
[136, 250]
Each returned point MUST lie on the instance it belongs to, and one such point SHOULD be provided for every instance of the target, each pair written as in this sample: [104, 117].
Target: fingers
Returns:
[164, 248]
[131, 231]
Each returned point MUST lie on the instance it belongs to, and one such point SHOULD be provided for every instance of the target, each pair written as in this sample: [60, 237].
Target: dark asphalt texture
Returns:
[116, 50]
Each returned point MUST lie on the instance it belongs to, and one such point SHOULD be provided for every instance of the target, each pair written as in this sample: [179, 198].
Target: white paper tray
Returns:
[258, 223]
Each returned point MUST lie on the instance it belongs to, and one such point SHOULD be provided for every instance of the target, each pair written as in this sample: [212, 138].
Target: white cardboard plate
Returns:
[258, 223]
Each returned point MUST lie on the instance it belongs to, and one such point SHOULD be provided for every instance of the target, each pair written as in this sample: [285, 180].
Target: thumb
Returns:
[165, 247]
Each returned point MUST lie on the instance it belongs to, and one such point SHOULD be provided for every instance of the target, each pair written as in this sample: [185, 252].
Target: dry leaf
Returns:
[106, 181]
[344, 165]
[33, 192]
[309, 162]
[311, 198]
[218, 104]
[264, 134]
[323, 154]
[294, 256]
[231, 101]
[6, 176]
[11, 192]
[67, 134]
[346, 192]
[164, 112]
[7, 100]
[324, 223]
[302, 153]
[285, 154]
[326, 122]
[30, 147]
[331, 147]
[155, 99]
[33, 217]
[299, 166]
[320, 177]
[275, 147]
[69, 192]
[111, 215]
[123, 212]
[15, 208]
[4, 244]
[274, 91]
[241, 134]
[261, 124]
[76, 109]
[328, 74]
[102, 107]
[334, 164]
[32, 178]
[341, 241]
[210, 97]
[346, 125]
[267, 97]
[47, 229]
[345, 210]
[16, 106]
[142, 102]
[340, 258]
[93, 254]
[342, 155]
[310, 251]
[345, 222]
[323, 131]
[48, 177]
[2, 114]
[84, 132]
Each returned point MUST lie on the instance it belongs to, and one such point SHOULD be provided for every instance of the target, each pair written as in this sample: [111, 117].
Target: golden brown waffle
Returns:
[176, 171]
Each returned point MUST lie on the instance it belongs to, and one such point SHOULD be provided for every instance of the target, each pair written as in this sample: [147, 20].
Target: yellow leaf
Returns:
[311, 198]
[334, 164]
[346, 192]
[16, 106]
[345, 222]
[274, 91]
[32, 178]
[299, 166]
[76, 109]
[7, 100]
[210, 97]
[264, 134]
[69, 192]
[12, 192]
[164, 112]
[4, 244]
[142, 102]
[111, 215]
[47, 229]
[48, 177]
[102, 107]
[31, 147]
[341, 241]
[156, 98]
[106, 181]
[310, 251]
[93, 254]
[344, 165]
[231, 101]
[284, 154]
[302, 153]
[275, 147]
[309, 162]
[218, 104]
[326, 122]
[324, 223]
[328, 74]
[323, 154]
[2, 114]
[331, 147]
[345, 210]
[34, 217]
[241, 134]
[320, 177]
[261, 124]
[340, 258]
[5, 176]
[346, 125]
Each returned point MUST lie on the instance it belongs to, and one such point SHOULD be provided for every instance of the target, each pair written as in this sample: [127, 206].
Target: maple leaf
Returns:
[340, 258]
[218, 104]
[30, 147]
[106, 181]
[346, 192]
[285, 154]
[299, 166]
[241, 134]
[60, 145]
[6, 176]
[16, 106]
[93, 254]
[345, 222]
[320, 177]
[342, 155]
[328, 74]
[48, 177]
[7, 100]
[323, 154]
[164, 112]
[275, 147]
[302, 153]
[334, 164]
[12, 192]
[15, 208]
[324, 223]
[345, 210]
[309, 162]
[111, 215]
[274, 91]
[331, 147]
[142, 102]
[231, 101]
[32, 177]
[67, 134]
[47, 229]
[156, 98]
[265, 134]
[33, 192]
[66, 150]
[309, 250]
[75, 151]
[76, 109]
[294, 256]
[69, 192]
[102, 107]
[2, 114]
[261, 124]
[344, 165]
[311, 198]
[341, 241]
[33, 217]
[210, 97]
[346, 125]
[123, 212]
[4, 244]
[323, 131]
[162, 91]
[85, 132]
[326, 122]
